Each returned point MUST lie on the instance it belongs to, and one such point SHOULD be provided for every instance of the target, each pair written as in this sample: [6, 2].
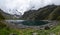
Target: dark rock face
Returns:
[47, 27]
[1, 16]
[50, 12]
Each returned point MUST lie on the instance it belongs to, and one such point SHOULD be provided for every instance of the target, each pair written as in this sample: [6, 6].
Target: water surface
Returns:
[28, 22]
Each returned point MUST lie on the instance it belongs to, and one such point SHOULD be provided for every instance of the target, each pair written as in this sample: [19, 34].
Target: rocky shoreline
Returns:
[41, 27]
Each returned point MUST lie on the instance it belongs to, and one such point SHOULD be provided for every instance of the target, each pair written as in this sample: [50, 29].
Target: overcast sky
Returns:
[9, 6]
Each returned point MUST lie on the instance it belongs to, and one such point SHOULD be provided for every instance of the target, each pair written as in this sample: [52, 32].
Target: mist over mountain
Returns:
[4, 15]
[10, 6]
[50, 12]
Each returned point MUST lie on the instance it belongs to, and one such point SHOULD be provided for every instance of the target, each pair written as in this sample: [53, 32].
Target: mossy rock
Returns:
[1, 17]
[2, 25]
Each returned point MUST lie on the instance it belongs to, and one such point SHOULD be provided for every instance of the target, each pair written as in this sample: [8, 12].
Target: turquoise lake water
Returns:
[28, 22]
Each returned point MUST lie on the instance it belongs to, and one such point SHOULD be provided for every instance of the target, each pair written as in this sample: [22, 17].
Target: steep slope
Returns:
[1, 16]
[8, 16]
[2, 25]
[55, 15]
[45, 13]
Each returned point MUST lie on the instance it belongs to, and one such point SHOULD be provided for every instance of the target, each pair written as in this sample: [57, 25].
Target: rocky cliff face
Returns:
[50, 12]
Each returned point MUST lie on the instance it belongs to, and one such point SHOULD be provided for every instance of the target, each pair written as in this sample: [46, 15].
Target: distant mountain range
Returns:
[8, 16]
[50, 12]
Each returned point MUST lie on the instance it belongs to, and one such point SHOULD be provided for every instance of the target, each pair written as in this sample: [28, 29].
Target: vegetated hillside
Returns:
[7, 16]
[1, 16]
[2, 24]
[50, 12]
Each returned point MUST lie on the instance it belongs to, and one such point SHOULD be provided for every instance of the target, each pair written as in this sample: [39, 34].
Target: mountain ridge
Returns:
[8, 16]
[43, 13]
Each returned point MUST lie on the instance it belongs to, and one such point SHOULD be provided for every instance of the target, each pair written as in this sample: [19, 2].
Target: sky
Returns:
[20, 6]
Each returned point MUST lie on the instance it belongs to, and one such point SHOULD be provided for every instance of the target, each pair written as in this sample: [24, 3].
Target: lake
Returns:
[28, 22]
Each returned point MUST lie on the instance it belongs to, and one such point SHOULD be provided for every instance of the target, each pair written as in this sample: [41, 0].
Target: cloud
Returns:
[10, 6]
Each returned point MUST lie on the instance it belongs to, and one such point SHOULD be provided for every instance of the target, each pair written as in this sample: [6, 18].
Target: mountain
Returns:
[8, 16]
[1, 16]
[50, 12]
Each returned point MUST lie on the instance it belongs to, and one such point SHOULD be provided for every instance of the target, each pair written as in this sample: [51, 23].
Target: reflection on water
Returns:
[28, 22]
